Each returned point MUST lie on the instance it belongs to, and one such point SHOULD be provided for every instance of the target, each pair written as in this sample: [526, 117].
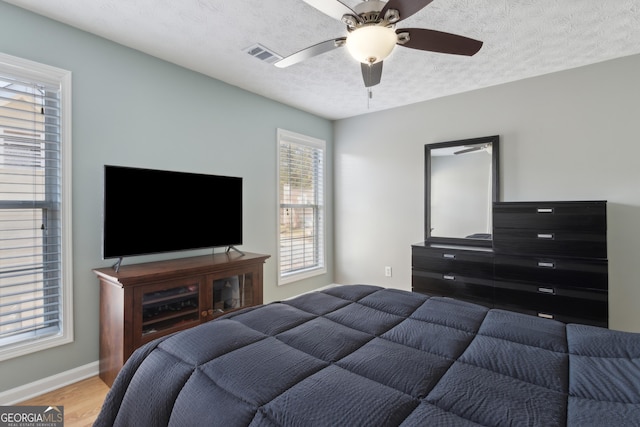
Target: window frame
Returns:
[321, 217]
[54, 76]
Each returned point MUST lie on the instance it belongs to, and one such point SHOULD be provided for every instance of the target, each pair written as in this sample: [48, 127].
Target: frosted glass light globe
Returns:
[372, 43]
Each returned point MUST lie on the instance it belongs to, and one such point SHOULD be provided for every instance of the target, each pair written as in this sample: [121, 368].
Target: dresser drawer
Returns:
[467, 263]
[546, 290]
[451, 285]
[552, 273]
[564, 309]
[586, 217]
[545, 242]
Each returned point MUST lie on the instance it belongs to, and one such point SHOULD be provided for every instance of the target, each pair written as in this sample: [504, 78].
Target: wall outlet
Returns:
[387, 271]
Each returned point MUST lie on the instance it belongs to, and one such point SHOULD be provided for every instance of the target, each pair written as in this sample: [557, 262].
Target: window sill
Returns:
[25, 347]
[301, 275]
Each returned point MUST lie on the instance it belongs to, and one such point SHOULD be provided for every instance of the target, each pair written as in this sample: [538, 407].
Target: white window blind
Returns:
[301, 200]
[32, 290]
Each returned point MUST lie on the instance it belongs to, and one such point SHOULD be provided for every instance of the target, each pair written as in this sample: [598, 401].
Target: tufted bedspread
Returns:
[368, 356]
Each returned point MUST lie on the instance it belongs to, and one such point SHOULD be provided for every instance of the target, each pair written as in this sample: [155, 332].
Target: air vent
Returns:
[263, 54]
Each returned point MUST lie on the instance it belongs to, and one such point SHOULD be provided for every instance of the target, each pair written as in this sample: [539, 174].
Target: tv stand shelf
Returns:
[142, 302]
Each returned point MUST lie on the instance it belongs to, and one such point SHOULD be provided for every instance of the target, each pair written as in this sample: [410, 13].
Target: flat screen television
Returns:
[150, 211]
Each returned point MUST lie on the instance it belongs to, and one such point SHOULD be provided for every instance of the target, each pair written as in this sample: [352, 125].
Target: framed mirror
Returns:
[461, 184]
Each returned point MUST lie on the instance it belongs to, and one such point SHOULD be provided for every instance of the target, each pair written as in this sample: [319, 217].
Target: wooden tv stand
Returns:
[142, 302]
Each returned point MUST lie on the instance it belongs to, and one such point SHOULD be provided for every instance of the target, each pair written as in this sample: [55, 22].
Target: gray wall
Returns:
[573, 135]
[134, 110]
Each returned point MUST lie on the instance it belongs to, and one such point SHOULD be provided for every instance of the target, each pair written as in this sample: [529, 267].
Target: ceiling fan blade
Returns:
[310, 52]
[371, 74]
[406, 8]
[468, 150]
[334, 8]
[437, 41]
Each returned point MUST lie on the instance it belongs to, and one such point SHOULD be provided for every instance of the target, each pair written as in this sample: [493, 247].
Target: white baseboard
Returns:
[45, 385]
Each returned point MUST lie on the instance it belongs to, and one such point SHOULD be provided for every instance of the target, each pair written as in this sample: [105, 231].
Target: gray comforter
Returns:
[368, 356]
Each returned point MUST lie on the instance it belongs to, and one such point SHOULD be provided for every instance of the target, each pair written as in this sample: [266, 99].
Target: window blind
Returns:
[30, 206]
[301, 189]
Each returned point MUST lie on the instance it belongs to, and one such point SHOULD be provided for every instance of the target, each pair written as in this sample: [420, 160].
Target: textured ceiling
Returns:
[522, 38]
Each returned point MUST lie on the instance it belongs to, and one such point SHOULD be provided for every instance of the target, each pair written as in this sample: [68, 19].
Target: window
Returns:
[35, 207]
[301, 199]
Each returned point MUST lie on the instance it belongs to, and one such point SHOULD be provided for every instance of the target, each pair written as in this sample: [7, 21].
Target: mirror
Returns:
[461, 183]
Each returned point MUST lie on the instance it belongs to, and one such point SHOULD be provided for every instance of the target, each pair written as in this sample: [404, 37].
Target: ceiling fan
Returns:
[373, 36]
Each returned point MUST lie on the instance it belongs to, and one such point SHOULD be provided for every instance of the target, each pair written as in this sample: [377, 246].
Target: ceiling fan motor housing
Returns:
[368, 12]
[369, 6]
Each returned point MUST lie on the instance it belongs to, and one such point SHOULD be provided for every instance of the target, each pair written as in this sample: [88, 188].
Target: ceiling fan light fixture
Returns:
[371, 44]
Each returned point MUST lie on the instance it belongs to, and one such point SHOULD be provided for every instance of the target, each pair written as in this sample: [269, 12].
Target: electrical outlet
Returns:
[387, 271]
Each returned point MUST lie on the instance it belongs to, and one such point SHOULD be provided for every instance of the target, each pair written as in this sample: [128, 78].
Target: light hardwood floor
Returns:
[82, 401]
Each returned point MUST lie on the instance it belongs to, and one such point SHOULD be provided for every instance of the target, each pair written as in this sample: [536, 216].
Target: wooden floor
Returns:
[82, 401]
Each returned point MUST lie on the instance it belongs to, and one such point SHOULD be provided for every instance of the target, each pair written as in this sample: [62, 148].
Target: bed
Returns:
[364, 355]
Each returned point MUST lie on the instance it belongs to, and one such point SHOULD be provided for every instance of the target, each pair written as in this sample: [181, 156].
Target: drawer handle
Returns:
[545, 235]
[449, 256]
[546, 264]
[545, 210]
[549, 291]
[449, 277]
[545, 315]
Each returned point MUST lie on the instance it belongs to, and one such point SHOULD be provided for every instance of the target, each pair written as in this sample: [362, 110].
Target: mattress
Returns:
[364, 355]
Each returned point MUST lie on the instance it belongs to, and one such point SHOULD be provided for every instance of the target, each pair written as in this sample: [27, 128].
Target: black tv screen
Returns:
[150, 211]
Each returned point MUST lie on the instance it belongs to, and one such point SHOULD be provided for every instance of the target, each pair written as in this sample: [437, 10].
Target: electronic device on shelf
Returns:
[151, 211]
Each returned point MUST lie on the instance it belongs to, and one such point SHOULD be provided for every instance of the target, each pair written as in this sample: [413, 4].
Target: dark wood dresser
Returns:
[454, 271]
[548, 259]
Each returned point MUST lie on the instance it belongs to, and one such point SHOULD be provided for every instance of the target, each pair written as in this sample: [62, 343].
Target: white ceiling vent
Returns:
[263, 54]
